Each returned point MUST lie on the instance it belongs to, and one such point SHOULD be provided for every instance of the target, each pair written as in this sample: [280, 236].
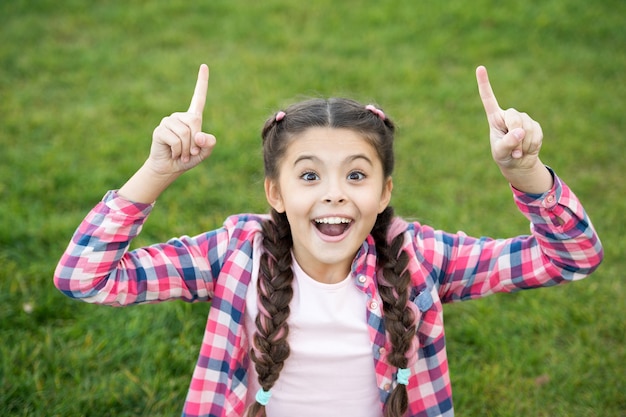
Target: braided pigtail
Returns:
[399, 318]
[271, 348]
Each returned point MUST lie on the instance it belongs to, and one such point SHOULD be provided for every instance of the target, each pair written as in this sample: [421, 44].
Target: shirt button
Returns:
[362, 279]
[387, 387]
[373, 305]
[549, 201]
[382, 351]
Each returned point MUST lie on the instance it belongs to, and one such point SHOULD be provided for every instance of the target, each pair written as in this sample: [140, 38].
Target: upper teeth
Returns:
[332, 220]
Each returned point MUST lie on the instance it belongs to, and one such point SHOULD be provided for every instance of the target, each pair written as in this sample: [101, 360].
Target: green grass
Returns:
[82, 85]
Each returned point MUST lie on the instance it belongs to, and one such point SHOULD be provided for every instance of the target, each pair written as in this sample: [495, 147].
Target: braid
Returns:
[399, 318]
[271, 348]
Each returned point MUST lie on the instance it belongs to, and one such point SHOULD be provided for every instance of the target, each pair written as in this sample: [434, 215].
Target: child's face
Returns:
[331, 186]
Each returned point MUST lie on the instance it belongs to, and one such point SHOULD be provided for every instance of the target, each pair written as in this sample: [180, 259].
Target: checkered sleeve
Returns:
[98, 267]
[563, 246]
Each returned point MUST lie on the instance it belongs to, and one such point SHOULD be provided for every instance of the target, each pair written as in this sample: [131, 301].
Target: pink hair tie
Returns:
[280, 116]
[378, 112]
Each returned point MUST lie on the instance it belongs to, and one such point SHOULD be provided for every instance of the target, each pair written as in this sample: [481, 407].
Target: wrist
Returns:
[147, 184]
[156, 174]
[534, 180]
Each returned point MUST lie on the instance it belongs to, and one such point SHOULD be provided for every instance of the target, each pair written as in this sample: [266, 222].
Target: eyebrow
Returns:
[349, 159]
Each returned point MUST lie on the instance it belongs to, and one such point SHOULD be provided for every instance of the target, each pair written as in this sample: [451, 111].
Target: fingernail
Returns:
[518, 133]
[516, 154]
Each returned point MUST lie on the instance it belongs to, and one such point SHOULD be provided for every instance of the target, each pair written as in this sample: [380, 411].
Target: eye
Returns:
[356, 176]
[309, 176]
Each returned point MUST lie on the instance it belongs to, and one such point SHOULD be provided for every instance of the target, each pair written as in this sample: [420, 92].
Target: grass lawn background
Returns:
[83, 84]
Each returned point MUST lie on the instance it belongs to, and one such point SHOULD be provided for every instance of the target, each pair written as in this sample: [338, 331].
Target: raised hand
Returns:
[515, 141]
[515, 137]
[178, 143]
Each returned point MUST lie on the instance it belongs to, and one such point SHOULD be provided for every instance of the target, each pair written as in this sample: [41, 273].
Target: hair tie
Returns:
[378, 112]
[403, 376]
[262, 396]
[280, 116]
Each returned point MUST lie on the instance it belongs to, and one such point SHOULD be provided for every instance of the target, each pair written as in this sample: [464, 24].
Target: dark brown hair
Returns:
[271, 347]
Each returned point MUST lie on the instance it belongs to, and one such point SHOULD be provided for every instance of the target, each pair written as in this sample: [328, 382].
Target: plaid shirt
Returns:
[216, 266]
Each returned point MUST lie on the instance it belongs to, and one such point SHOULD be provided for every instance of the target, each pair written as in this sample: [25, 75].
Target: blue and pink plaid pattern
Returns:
[216, 266]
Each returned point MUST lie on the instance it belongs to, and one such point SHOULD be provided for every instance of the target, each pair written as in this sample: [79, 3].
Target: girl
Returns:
[330, 305]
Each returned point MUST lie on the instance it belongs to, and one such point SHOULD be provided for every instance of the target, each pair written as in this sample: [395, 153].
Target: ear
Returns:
[273, 195]
[385, 197]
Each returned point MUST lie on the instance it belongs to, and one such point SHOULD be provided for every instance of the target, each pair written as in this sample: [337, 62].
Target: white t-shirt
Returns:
[330, 370]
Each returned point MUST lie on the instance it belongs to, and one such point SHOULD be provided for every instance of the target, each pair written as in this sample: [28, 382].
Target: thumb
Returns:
[204, 143]
[514, 125]
[510, 146]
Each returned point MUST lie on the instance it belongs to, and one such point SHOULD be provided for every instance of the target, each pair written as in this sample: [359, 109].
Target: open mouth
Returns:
[333, 226]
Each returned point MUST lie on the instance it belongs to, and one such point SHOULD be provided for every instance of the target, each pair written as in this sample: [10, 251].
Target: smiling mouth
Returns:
[332, 226]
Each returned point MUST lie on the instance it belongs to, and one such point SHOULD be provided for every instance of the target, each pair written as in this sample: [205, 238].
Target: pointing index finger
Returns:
[199, 94]
[486, 92]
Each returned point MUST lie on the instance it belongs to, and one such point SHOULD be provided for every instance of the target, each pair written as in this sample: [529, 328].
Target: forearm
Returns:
[563, 247]
[97, 247]
[97, 268]
[563, 229]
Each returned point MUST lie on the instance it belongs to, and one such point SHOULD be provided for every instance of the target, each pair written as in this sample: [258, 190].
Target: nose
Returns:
[332, 200]
[334, 193]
